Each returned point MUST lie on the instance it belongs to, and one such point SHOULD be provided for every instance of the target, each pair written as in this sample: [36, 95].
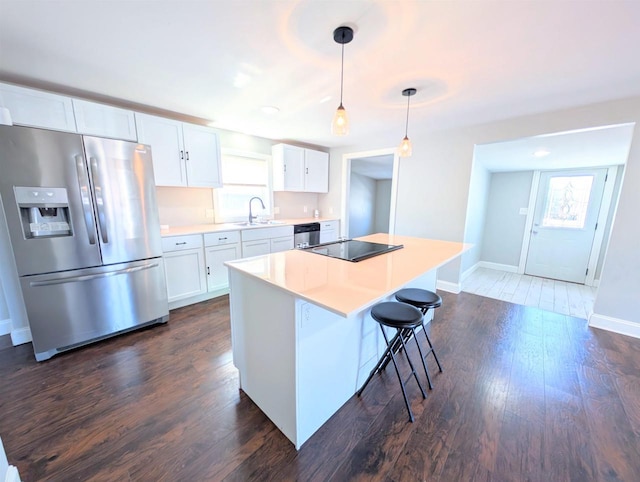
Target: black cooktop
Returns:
[351, 250]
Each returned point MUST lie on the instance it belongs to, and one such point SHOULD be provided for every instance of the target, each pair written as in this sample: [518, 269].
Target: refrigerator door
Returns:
[41, 166]
[125, 199]
[70, 309]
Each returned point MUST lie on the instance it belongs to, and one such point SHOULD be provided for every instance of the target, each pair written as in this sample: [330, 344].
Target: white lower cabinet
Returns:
[256, 248]
[329, 231]
[220, 248]
[184, 266]
[281, 244]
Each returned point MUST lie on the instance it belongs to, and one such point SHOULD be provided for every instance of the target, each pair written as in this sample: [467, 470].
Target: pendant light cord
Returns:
[406, 129]
[342, 72]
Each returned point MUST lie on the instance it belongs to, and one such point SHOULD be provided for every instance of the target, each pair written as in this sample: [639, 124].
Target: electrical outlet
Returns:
[331, 210]
[524, 211]
[276, 210]
[208, 213]
[304, 209]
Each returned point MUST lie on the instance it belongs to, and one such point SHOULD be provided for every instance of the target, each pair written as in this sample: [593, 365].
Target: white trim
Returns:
[616, 325]
[199, 298]
[449, 287]
[12, 474]
[20, 336]
[598, 238]
[533, 195]
[596, 283]
[469, 271]
[346, 179]
[509, 268]
[5, 326]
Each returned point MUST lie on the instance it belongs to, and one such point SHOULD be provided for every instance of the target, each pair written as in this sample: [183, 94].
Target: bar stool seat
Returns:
[424, 300]
[405, 319]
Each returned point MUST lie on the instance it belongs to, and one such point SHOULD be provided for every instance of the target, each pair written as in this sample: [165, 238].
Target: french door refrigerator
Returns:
[82, 218]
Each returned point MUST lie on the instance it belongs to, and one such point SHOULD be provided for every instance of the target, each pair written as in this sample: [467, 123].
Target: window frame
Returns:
[219, 216]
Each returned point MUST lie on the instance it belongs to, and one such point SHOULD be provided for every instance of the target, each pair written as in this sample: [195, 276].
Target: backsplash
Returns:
[185, 206]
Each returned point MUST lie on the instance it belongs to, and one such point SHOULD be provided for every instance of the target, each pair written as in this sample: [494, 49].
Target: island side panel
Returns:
[263, 343]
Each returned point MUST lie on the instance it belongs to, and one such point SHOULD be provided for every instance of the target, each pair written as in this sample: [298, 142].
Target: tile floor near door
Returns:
[551, 295]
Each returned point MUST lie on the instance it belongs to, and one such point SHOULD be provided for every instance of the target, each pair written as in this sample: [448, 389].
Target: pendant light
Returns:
[340, 125]
[405, 146]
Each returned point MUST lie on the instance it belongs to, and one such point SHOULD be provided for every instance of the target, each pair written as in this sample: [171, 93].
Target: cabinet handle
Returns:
[221, 239]
[285, 168]
[181, 155]
[178, 244]
[306, 170]
[187, 153]
[208, 270]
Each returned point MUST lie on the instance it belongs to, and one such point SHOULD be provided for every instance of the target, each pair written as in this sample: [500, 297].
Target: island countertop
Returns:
[344, 287]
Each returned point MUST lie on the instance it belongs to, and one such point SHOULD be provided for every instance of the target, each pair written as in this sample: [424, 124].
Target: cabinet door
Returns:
[167, 151]
[288, 168]
[105, 121]
[202, 153]
[255, 248]
[328, 235]
[316, 172]
[281, 244]
[185, 274]
[30, 107]
[217, 277]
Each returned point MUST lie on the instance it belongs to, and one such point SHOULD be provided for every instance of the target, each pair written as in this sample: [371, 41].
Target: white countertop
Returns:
[344, 287]
[213, 228]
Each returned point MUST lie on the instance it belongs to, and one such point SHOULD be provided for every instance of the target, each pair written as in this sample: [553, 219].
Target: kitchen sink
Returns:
[271, 222]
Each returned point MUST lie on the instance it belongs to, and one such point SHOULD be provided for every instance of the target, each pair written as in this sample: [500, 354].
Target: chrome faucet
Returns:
[251, 216]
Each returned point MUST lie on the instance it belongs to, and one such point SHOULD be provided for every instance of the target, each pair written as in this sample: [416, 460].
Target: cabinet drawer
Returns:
[224, 237]
[335, 225]
[266, 233]
[180, 243]
[104, 120]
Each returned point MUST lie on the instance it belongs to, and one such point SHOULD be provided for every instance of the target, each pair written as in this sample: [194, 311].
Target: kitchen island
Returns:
[302, 337]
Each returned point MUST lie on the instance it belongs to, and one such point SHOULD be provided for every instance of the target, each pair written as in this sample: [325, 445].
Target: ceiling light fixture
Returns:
[541, 153]
[405, 146]
[340, 125]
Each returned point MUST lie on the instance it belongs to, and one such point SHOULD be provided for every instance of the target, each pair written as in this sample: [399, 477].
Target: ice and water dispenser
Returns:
[44, 211]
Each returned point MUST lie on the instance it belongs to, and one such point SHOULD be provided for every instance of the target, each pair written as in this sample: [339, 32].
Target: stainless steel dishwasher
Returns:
[305, 235]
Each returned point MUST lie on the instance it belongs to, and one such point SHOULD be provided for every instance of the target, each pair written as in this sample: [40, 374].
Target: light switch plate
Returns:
[276, 210]
[524, 211]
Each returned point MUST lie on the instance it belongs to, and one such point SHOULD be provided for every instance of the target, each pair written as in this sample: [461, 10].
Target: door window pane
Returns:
[567, 201]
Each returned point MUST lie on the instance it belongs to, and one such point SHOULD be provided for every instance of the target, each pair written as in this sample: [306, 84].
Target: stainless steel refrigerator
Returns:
[83, 222]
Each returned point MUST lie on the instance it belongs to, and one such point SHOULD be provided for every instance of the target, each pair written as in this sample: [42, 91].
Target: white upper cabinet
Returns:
[103, 120]
[183, 154]
[299, 169]
[35, 108]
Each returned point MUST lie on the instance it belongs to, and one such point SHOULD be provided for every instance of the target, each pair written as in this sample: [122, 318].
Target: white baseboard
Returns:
[498, 266]
[469, 272]
[624, 327]
[12, 474]
[449, 287]
[197, 299]
[5, 326]
[20, 336]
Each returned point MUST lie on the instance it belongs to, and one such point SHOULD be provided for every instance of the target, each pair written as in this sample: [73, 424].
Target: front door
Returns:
[564, 224]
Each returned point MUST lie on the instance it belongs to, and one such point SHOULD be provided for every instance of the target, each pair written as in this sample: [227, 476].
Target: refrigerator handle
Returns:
[99, 201]
[89, 277]
[86, 201]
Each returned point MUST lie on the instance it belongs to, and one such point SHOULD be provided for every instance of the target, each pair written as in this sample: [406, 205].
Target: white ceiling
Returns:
[471, 61]
[605, 146]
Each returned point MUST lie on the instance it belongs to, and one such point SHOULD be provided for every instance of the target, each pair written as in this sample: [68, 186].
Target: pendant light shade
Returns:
[340, 125]
[405, 149]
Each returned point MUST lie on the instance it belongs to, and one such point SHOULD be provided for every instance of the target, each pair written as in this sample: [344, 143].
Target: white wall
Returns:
[433, 187]
[362, 201]
[383, 206]
[476, 215]
[607, 229]
[504, 225]
[292, 204]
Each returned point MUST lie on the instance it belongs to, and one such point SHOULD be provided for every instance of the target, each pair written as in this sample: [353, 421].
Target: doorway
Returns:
[369, 192]
[565, 222]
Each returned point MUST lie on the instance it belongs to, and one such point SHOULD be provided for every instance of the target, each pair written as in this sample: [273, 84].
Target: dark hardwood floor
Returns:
[525, 395]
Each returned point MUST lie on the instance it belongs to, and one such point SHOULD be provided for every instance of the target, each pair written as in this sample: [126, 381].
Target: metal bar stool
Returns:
[424, 300]
[404, 318]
